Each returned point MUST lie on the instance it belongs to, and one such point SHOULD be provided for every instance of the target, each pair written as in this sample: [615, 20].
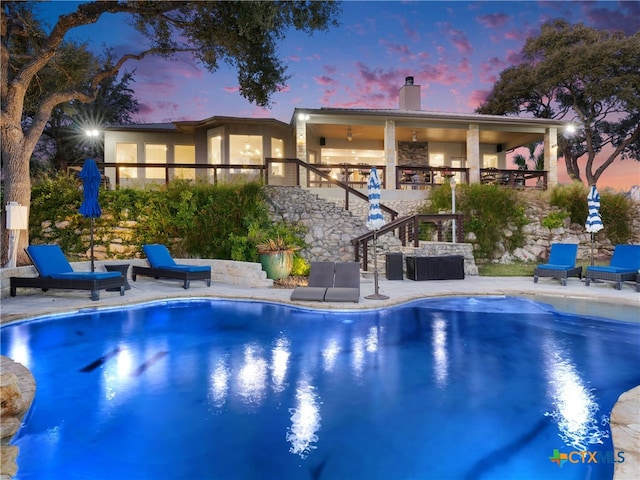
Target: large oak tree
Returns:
[38, 72]
[583, 75]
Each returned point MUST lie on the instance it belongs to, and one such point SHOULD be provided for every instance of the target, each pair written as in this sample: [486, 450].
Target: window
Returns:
[155, 153]
[127, 153]
[489, 161]
[245, 149]
[277, 151]
[185, 154]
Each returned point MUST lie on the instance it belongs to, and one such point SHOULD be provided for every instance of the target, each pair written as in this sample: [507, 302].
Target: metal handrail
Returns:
[408, 230]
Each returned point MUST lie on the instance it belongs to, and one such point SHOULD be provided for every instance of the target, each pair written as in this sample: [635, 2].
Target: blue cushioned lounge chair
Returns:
[163, 266]
[56, 273]
[561, 264]
[623, 267]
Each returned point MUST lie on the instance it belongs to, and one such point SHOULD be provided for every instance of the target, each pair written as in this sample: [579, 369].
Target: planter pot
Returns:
[277, 264]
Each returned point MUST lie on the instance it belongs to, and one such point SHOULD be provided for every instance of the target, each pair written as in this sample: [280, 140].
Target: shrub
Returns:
[554, 219]
[616, 209]
[489, 211]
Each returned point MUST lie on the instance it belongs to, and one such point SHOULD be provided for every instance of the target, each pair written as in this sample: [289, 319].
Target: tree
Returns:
[69, 123]
[584, 75]
[40, 71]
[537, 160]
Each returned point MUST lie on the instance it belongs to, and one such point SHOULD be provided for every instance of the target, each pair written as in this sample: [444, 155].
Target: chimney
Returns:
[409, 95]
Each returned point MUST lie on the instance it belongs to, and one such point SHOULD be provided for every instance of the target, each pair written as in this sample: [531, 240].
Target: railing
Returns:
[408, 231]
[291, 176]
[514, 178]
[421, 177]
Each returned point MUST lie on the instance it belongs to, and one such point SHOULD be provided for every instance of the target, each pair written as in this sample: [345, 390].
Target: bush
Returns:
[616, 209]
[489, 211]
[192, 219]
[554, 219]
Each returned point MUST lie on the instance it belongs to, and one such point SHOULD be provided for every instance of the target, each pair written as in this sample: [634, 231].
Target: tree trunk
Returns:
[17, 188]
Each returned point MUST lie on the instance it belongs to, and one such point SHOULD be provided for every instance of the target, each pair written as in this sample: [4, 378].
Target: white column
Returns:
[551, 156]
[473, 153]
[390, 154]
[301, 145]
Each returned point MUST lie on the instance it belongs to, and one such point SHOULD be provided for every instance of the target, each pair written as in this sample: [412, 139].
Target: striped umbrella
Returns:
[594, 222]
[375, 220]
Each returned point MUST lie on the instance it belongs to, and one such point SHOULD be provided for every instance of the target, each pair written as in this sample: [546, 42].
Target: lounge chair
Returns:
[163, 266]
[561, 265]
[346, 283]
[623, 267]
[56, 273]
[320, 278]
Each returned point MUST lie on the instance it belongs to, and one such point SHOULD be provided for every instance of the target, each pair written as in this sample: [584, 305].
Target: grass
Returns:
[519, 269]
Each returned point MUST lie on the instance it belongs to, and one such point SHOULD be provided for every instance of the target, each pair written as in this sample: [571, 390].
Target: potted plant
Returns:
[273, 245]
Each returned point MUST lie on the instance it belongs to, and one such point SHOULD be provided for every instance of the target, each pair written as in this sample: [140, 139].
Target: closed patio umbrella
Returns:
[90, 207]
[375, 220]
[594, 221]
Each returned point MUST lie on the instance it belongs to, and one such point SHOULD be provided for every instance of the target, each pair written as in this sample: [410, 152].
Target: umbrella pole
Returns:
[93, 269]
[592, 242]
[376, 295]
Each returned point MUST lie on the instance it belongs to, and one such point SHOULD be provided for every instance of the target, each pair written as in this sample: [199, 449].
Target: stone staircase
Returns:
[331, 228]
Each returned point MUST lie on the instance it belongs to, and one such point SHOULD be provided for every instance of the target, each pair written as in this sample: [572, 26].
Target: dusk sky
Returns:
[455, 50]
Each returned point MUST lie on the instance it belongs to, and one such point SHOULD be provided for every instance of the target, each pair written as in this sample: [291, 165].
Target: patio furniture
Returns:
[56, 273]
[623, 267]
[164, 266]
[443, 267]
[561, 264]
[346, 283]
[320, 278]
[123, 268]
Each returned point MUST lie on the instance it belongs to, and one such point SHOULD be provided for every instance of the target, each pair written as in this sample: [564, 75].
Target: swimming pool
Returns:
[437, 388]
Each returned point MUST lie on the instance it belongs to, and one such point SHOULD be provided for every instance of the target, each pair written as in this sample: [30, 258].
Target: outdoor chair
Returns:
[346, 283]
[623, 267]
[320, 278]
[164, 266]
[561, 264]
[56, 273]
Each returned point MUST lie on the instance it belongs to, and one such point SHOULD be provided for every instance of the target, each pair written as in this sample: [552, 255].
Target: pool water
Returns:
[458, 388]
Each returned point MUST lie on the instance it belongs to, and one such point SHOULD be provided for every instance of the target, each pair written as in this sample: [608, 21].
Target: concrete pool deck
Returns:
[598, 299]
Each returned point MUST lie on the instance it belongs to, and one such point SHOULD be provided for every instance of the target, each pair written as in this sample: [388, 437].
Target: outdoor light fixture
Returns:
[349, 136]
[414, 137]
[92, 133]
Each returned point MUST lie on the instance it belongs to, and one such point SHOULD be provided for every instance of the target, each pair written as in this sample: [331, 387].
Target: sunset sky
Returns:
[455, 50]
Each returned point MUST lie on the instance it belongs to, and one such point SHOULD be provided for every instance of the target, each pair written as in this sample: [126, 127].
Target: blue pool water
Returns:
[435, 389]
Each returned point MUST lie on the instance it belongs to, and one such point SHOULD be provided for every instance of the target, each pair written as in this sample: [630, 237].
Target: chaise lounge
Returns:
[56, 273]
[561, 264]
[164, 266]
[331, 282]
[623, 267]
[320, 278]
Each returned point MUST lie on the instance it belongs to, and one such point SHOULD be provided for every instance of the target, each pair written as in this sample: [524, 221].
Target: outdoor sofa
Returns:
[331, 282]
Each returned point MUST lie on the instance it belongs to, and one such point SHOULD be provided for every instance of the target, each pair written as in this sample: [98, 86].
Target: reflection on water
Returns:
[279, 363]
[440, 356]
[305, 420]
[330, 354]
[575, 405]
[219, 383]
[252, 377]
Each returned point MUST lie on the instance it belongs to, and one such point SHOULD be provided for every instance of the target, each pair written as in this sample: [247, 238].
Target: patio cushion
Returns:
[49, 259]
[85, 275]
[158, 256]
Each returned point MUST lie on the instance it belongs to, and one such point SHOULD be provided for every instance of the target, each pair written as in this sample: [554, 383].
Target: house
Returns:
[411, 148]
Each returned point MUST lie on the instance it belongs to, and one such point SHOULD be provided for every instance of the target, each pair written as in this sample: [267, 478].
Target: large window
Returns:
[127, 153]
[489, 161]
[185, 154]
[246, 149]
[155, 153]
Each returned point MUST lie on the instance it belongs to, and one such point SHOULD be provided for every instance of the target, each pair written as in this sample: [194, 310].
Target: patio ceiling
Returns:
[451, 134]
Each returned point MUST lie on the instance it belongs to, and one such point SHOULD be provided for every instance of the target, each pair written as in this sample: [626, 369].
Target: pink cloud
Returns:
[324, 80]
[493, 20]
[294, 58]
[476, 98]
